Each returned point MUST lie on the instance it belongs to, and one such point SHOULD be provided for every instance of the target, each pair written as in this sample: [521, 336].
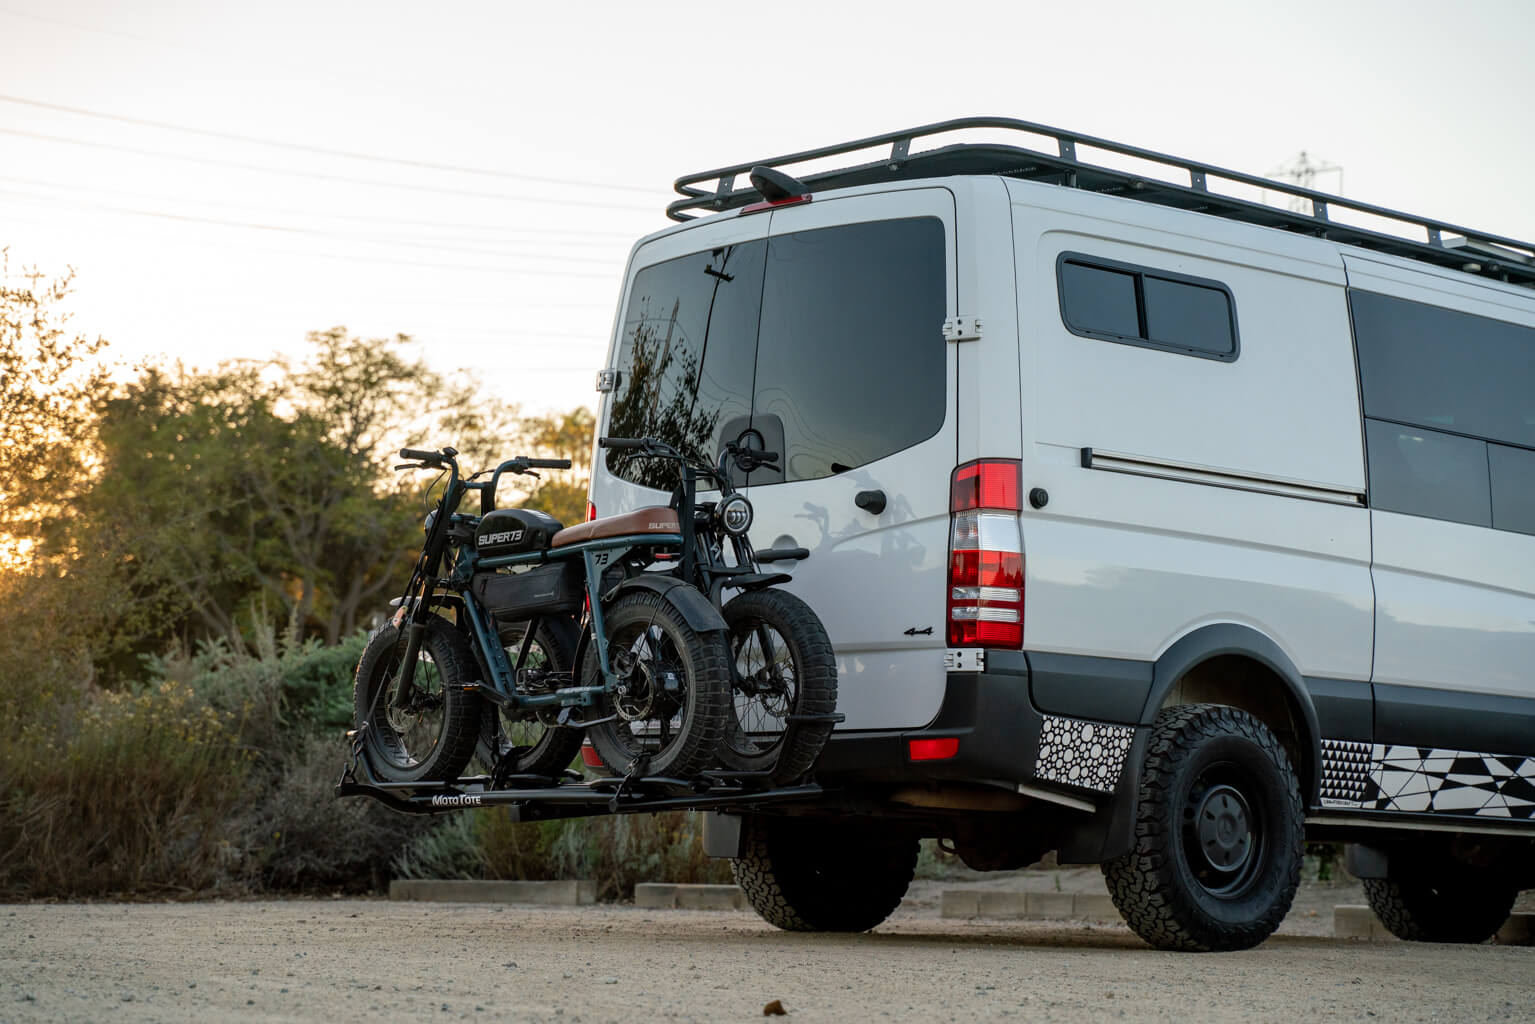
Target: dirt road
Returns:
[345, 960]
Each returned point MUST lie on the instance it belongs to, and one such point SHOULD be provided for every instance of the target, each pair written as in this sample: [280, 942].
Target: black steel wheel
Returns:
[809, 875]
[530, 742]
[432, 737]
[1218, 834]
[674, 685]
[782, 665]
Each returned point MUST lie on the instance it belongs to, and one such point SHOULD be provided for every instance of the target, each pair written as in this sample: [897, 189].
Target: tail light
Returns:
[591, 511]
[985, 555]
[589, 755]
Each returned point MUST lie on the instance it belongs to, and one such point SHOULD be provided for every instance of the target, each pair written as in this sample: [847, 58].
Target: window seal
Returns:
[1139, 273]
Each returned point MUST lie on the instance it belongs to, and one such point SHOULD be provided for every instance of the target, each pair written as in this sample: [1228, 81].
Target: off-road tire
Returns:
[805, 875]
[1172, 893]
[813, 667]
[1449, 905]
[702, 661]
[555, 747]
[459, 726]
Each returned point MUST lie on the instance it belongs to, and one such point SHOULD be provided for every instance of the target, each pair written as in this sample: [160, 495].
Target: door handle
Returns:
[872, 502]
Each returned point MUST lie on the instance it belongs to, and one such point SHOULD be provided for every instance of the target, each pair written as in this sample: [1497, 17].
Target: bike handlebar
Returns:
[415, 453]
[548, 463]
[624, 443]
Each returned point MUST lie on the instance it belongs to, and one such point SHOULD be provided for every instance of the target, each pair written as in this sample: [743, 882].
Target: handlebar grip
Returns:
[415, 453]
[548, 463]
[622, 443]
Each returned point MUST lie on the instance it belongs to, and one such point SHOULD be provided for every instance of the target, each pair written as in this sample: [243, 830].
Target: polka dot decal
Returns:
[1086, 754]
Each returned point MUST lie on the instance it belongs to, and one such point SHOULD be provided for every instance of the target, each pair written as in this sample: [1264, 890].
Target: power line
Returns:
[303, 148]
[287, 229]
[345, 257]
[541, 233]
[319, 175]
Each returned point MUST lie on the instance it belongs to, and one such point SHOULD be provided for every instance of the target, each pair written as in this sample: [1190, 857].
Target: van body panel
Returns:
[1123, 566]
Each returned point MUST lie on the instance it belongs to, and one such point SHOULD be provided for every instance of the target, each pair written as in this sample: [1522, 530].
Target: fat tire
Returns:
[1154, 886]
[703, 661]
[805, 875]
[815, 678]
[1450, 905]
[558, 746]
[460, 727]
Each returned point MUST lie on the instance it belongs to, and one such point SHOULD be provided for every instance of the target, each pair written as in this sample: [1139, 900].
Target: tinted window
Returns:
[851, 357]
[1426, 473]
[1095, 299]
[1513, 488]
[1445, 370]
[685, 358]
[1144, 306]
[1187, 315]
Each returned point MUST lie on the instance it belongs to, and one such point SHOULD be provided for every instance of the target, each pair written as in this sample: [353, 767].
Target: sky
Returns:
[225, 177]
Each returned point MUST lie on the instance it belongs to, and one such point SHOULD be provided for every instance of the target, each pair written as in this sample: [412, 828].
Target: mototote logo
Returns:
[457, 801]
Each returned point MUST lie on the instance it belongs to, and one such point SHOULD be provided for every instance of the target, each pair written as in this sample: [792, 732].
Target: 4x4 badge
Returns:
[914, 631]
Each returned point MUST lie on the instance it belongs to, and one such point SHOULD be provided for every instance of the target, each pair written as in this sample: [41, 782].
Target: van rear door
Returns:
[854, 384]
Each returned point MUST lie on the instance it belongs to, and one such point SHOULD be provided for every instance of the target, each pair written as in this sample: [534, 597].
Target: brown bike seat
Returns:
[645, 520]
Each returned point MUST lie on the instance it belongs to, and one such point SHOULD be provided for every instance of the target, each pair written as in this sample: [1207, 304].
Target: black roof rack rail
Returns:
[1443, 244]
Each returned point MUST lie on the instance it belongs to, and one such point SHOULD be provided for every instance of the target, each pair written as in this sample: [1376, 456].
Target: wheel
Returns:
[1218, 834]
[674, 684]
[783, 664]
[433, 737]
[1450, 904]
[531, 744]
[804, 875]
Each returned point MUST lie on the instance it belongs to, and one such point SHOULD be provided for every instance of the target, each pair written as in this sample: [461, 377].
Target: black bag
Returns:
[544, 589]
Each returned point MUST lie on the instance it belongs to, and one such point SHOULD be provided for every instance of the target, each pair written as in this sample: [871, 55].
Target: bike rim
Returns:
[406, 738]
[650, 665]
[764, 690]
[522, 734]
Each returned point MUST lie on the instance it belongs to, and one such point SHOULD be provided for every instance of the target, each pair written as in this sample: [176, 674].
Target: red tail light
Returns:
[985, 556]
[589, 755]
[591, 511]
[940, 749]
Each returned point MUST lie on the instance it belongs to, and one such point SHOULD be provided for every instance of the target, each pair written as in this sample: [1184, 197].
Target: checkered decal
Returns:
[1087, 754]
[1345, 772]
[1427, 780]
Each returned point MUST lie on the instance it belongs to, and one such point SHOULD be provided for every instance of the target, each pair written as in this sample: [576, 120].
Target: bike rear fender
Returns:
[695, 608]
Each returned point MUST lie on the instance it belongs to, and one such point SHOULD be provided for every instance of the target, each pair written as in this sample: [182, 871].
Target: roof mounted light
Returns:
[777, 189]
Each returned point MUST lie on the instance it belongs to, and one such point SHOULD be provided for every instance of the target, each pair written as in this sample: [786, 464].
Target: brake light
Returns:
[773, 204]
[589, 755]
[591, 511]
[985, 555]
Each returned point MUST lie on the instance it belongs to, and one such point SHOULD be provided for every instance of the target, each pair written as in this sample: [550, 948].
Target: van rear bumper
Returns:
[999, 731]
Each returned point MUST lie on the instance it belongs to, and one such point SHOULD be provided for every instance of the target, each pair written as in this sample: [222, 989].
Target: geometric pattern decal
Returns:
[1087, 754]
[1427, 780]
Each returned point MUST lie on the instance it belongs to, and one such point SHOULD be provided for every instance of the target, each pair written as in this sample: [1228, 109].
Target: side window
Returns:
[851, 361]
[1426, 473]
[1449, 402]
[1513, 487]
[685, 357]
[1444, 369]
[1142, 306]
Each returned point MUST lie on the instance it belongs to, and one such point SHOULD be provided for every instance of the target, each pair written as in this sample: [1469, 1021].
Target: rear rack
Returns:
[1442, 243]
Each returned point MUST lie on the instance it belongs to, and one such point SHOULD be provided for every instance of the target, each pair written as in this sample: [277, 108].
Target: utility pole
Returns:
[1302, 172]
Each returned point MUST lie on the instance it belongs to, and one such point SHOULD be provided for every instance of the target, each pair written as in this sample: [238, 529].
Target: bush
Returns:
[616, 851]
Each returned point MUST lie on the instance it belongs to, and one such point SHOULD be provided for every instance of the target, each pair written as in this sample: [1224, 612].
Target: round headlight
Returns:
[735, 515]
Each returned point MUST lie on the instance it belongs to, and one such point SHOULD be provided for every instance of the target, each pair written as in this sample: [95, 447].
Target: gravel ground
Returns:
[343, 960]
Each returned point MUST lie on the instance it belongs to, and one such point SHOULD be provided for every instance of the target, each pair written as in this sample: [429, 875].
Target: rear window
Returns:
[827, 344]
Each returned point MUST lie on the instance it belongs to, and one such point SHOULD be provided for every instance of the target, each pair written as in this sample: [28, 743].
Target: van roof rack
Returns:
[1440, 243]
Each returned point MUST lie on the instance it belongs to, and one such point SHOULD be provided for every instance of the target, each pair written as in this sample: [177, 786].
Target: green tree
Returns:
[561, 493]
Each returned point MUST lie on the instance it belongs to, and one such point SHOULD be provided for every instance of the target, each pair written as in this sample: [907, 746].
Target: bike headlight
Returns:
[735, 515]
[431, 517]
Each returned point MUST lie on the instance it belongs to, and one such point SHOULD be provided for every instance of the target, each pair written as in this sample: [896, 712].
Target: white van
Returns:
[1152, 524]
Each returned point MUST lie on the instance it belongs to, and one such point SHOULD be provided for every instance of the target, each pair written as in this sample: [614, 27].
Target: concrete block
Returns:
[1518, 930]
[1356, 922]
[990, 903]
[958, 903]
[1095, 906]
[1051, 906]
[710, 897]
[655, 895]
[565, 893]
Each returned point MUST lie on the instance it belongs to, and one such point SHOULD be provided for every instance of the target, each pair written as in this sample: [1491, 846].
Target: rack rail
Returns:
[1442, 243]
